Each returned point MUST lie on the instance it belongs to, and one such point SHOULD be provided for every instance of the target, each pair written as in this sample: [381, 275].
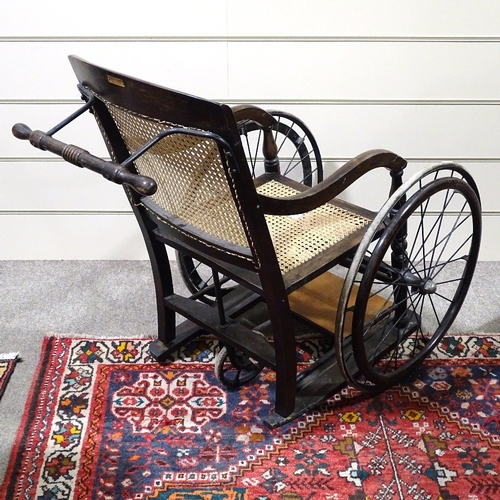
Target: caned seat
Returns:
[299, 238]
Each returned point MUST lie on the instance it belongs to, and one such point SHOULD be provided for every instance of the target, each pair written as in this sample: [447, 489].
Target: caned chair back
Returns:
[199, 166]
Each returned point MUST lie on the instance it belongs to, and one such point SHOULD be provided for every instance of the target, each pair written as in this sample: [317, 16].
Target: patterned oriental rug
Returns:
[7, 365]
[105, 422]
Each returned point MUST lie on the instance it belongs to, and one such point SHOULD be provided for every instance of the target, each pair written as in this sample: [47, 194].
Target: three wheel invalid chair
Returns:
[266, 246]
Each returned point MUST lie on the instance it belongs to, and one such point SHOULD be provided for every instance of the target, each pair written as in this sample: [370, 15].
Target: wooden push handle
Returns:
[83, 159]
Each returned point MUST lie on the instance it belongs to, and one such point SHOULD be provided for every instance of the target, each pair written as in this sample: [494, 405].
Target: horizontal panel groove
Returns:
[370, 102]
[32, 159]
[40, 102]
[65, 213]
[257, 39]
[39, 159]
[72, 213]
[295, 102]
[410, 159]
[326, 159]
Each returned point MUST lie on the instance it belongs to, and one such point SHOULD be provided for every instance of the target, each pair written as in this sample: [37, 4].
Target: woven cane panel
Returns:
[188, 170]
[299, 238]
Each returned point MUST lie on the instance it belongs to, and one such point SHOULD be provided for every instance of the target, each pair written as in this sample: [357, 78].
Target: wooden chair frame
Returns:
[255, 267]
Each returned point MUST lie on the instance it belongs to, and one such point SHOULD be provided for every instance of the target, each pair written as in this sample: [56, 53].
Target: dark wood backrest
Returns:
[205, 189]
[155, 101]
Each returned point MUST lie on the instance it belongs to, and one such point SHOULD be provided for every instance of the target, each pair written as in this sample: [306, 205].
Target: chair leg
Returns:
[286, 369]
[162, 276]
[170, 336]
[284, 344]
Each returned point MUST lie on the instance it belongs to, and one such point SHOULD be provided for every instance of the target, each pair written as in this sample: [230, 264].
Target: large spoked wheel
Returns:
[409, 277]
[300, 159]
[234, 368]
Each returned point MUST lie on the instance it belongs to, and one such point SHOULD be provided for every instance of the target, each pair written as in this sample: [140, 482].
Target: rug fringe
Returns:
[7, 356]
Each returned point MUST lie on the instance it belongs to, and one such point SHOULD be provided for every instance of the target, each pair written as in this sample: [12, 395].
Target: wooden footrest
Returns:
[317, 302]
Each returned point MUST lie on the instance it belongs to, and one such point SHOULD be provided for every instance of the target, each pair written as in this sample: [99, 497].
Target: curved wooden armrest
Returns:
[334, 184]
[249, 112]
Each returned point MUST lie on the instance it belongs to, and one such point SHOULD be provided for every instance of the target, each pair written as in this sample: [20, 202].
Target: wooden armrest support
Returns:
[249, 112]
[334, 184]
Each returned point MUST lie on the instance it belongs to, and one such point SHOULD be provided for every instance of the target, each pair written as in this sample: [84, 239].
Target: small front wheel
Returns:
[234, 368]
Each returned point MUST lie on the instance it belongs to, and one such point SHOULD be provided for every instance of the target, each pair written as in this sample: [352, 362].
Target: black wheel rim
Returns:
[390, 345]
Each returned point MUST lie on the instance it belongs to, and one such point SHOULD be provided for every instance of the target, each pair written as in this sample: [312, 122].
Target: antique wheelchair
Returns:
[266, 246]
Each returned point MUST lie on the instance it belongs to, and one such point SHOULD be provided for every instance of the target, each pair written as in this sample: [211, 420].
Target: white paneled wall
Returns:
[419, 78]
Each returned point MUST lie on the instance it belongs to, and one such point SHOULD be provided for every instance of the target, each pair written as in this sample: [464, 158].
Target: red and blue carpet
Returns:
[105, 422]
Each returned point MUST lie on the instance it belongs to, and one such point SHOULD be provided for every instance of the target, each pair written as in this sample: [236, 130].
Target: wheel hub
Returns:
[425, 286]
[428, 287]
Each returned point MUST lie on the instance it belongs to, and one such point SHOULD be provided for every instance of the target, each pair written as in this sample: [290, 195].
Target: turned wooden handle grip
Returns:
[82, 158]
[21, 131]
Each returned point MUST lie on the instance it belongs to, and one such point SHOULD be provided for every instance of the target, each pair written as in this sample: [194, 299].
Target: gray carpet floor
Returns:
[116, 299]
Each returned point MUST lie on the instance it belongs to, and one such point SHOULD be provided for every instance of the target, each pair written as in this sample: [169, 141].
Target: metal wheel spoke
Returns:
[440, 265]
[440, 222]
[447, 238]
[429, 233]
[298, 162]
[452, 257]
[446, 282]
[385, 336]
[310, 175]
[285, 137]
[444, 298]
[434, 311]
[420, 229]
[378, 291]
[291, 167]
[418, 305]
[453, 229]
[252, 156]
